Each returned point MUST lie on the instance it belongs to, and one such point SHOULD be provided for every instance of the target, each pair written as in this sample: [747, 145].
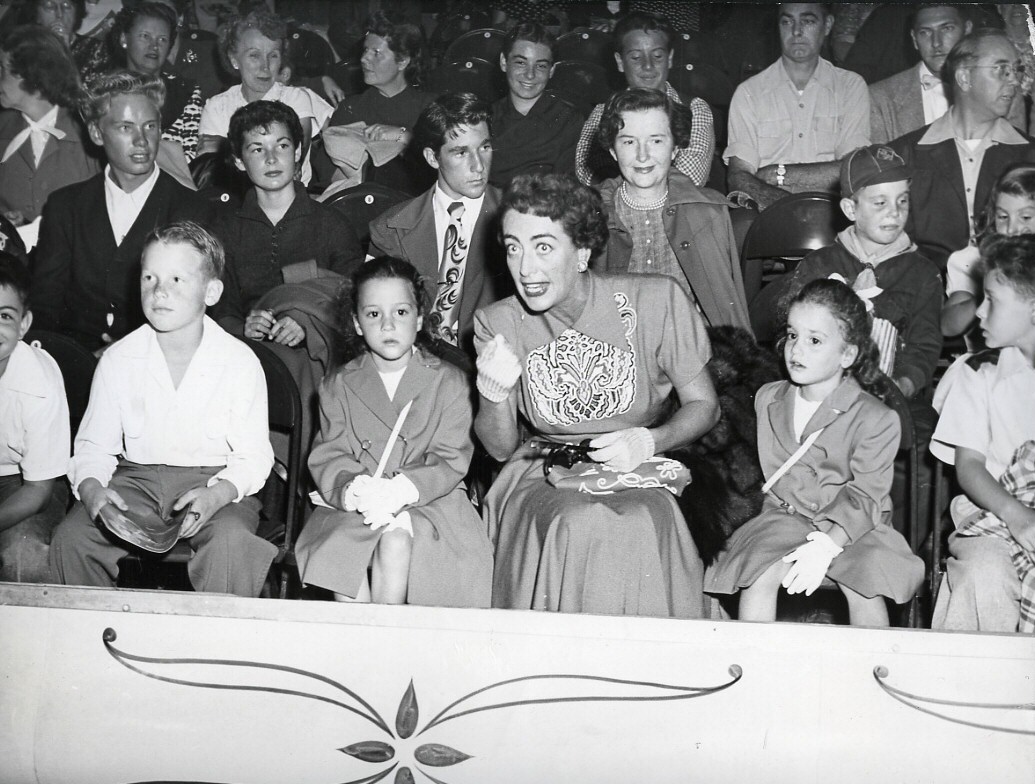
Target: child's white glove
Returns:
[355, 490]
[403, 522]
[810, 563]
[623, 450]
[387, 495]
[498, 370]
[378, 519]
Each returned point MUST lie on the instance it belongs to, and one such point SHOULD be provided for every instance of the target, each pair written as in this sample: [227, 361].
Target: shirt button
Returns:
[648, 242]
[801, 106]
[684, 244]
[649, 261]
[801, 135]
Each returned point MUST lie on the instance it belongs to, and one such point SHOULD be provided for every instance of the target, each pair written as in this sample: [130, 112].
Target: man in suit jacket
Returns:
[957, 158]
[453, 134]
[87, 265]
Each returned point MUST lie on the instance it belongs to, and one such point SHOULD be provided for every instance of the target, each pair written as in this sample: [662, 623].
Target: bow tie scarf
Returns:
[37, 133]
[929, 82]
[883, 332]
[444, 312]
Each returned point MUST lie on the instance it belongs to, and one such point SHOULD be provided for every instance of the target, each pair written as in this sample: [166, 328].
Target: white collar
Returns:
[137, 195]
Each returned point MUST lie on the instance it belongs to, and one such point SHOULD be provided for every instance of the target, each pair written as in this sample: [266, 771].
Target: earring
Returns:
[583, 266]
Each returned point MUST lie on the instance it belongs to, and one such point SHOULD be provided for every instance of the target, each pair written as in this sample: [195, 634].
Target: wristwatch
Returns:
[781, 172]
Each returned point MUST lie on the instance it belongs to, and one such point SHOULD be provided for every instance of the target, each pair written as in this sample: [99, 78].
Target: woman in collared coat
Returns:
[450, 563]
[658, 220]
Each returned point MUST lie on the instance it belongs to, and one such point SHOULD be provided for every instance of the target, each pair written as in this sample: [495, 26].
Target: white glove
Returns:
[401, 521]
[356, 489]
[387, 495]
[378, 519]
[623, 450]
[810, 563]
[498, 370]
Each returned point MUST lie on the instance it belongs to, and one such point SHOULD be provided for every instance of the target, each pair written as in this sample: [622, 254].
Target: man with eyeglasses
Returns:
[534, 132]
[956, 159]
[916, 96]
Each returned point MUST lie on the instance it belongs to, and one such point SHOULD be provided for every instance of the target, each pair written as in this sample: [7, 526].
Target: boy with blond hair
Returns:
[175, 440]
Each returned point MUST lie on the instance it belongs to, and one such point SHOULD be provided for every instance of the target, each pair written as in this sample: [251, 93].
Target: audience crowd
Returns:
[505, 372]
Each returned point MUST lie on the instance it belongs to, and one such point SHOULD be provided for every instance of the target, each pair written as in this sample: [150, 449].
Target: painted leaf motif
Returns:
[370, 751]
[404, 776]
[406, 718]
[439, 756]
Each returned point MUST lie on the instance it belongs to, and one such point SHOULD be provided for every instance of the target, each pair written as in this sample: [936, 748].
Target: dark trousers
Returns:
[227, 556]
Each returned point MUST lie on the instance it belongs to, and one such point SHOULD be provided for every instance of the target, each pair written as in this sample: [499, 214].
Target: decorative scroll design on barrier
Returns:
[880, 674]
[407, 718]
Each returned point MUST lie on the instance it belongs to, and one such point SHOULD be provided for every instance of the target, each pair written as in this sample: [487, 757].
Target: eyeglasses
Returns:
[1004, 71]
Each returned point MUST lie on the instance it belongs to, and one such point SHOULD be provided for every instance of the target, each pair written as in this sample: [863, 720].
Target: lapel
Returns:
[96, 223]
[945, 161]
[362, 378]
[152, 214]
[836, 404]
[478, 253]
[416, 227]
[909, 103]
[781, 418]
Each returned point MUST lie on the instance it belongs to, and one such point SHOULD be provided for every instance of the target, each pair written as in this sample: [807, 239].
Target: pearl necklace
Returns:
[649, 207]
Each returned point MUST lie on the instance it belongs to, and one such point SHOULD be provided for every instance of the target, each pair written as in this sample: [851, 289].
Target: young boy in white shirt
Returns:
[986, 416]
[34, 436]
[177, 426]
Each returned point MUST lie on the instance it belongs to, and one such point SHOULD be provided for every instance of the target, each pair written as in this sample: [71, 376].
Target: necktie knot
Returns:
[456, 211]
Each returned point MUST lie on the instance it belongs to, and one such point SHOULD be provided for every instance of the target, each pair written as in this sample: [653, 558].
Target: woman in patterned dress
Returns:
[577, 355]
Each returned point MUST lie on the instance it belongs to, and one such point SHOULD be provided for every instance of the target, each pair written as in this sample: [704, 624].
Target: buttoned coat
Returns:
[407, 231]
[698, 227]
[451, 562]
[80, 274]
[24, 185]
[844, 478]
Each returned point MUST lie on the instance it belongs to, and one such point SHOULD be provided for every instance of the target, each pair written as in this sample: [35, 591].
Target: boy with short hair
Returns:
[276, 226]
[876, 257]
[987, 421]
[177, 426]
[34, 446]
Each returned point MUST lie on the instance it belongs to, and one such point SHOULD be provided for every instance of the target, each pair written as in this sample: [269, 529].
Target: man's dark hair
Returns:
[14, 276]
[441, 118]
[532, 32]
[641, 21]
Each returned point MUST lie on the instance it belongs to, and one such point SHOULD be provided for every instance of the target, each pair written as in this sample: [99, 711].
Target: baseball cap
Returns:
[871, 165]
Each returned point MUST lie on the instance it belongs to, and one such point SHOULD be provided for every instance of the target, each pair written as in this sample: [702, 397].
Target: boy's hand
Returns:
[96, 496]
[334, 92]
[287, 332]
[906, 386]
[258, 323]
[201, 503]
[1022, 528]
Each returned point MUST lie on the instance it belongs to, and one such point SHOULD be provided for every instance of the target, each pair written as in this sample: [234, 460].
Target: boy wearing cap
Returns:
[876, 257]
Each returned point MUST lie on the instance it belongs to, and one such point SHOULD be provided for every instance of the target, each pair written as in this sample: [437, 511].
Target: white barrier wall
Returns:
[125, 686]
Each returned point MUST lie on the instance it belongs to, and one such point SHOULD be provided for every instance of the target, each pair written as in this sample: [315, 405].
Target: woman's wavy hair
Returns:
[347, 304]
[44, 64]
[561, 198]
[404, 39]
[128, 16]
[267, 23]
[849, 311]
[640, 99]
[1017, 179]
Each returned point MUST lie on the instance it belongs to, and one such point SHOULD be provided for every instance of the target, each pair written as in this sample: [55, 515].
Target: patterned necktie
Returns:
[450, 278]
